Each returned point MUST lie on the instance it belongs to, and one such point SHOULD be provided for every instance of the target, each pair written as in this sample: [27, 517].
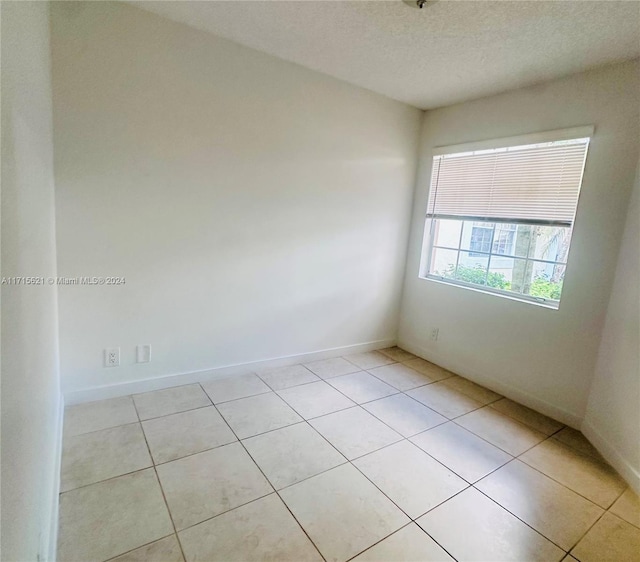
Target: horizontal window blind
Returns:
[532, 183]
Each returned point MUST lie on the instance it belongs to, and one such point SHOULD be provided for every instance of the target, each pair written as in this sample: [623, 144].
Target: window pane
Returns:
[522, 242]
[518, 258]
[472, 268]
[500, 273]
[551, 243]
[508, 239]
[521, 276]
[443, 262]
[476, 236]
[447, 233]
[546, 280]
[480, 239]
[504, 238]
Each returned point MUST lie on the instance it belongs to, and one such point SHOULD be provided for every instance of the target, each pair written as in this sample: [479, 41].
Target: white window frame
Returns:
[493, 144]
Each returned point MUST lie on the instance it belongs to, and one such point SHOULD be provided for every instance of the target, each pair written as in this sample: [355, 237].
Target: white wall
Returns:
[612, 420]
[30, 382]
[256, 209]
[541, 357]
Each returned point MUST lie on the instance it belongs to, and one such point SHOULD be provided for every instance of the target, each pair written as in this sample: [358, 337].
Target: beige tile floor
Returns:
[378, 456]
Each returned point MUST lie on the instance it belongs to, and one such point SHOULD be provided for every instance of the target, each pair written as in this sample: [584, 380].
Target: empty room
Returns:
[320, 281]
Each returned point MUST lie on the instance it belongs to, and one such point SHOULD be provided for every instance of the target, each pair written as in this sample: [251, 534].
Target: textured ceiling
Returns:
[449, 52]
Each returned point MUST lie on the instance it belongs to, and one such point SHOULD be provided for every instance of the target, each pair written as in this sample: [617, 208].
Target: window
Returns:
[481, 236]
[500, 214]
[486, 238]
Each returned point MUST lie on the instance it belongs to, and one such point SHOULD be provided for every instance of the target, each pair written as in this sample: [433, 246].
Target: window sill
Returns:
[550, 305]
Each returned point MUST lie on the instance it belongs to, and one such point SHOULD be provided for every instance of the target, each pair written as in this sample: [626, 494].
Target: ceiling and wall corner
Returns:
[446, 53]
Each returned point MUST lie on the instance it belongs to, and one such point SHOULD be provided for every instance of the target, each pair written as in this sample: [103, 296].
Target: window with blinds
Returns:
[500, 213]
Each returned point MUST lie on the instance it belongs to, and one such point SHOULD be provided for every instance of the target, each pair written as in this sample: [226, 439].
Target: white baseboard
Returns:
[167, 381]
[50, 542]
[612, 455]
[608, 451]
[533, 402]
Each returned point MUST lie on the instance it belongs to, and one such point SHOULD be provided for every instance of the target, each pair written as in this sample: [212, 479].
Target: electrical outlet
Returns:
[433, 335]
[112, 357]
[143, 353]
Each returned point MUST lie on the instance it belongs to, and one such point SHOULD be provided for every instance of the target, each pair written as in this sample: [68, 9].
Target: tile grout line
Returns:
[497, 446]
[212, 403]
[558, 482]
[514, 457]
[273, 371]
[458, 392]
[608, 510]
[412, 519]
[459, 475]
[562, 426]
[561, 483]
[225, 512]
[412, 522]
[453, 420]
[272, 389]
[153, 460]
[139, 420]
[604, 510]
[355, 404]
[350, 461]
[164, 497]
[599, 458]
[384, 423]
[378, 542]
[254, 373]
[194, 454]
[429, 429]
[518, 517]
[177, 413]
[102, 429]
[159, 389]
[272, 486]
[305, 420]
[431, 381]
[394, 393]
[238, 440]
[391, 361]
[405, 392]
[586, 532]
[109, 479]
[141, 546]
